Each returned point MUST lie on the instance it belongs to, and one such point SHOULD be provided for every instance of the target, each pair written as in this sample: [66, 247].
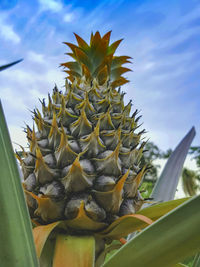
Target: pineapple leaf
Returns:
[169, 240]
[166, 185]
[41, 234]
[9, 65]
[112, 48]
[129, 223]
[74, 66]
[156, 211]
[120, 60]
[106, 37]
[16, 246]
[81, 42]
[126, 224]
[97, 57]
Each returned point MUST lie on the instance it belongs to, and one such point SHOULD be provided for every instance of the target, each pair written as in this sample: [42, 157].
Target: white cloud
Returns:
[52, 5]
[35, 57]
[7, 97]
[7, 32]
[69, 17]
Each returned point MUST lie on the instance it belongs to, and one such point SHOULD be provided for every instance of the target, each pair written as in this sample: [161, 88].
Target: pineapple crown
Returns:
[96, 61]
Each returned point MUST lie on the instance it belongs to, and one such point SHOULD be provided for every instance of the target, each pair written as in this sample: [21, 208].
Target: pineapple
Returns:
[83, 164]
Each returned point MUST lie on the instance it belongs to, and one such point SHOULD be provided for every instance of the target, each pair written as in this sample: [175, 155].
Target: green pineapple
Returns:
[83, 163]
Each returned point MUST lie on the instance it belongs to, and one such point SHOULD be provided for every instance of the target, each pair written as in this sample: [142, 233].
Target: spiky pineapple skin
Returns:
[91, 157]
[83, 163]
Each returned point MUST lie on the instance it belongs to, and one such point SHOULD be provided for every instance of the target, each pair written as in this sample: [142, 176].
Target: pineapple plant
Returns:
[82, 167]
[81, 177]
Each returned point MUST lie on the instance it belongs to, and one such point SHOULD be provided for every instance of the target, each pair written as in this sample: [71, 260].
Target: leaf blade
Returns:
[165, 188]
[166, 242]
[16, 246]
[9, 65]
[41, 234]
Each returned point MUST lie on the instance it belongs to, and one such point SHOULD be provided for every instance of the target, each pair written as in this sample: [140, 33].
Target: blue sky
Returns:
[162, 37]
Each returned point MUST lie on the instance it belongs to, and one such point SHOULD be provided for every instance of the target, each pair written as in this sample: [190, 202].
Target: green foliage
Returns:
[16, 246]
[164, 243]
[196, 262]
[151, 153]
[146, 189]
[190, 183]
[195, 151]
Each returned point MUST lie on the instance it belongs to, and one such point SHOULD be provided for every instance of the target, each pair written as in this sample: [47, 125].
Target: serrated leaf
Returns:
[112, 48]
[81, 42]
[82, 57]
[118, 61]
[117, 72]
[73, 66]
[106, 37]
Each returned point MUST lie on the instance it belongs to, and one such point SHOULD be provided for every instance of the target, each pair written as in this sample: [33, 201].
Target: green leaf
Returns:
[9, 65]
[196, 262]
[133, 222]
[165, 187]
[41, 234]
[16, 246]
[46, 258]
[169, 240]
[156, 211]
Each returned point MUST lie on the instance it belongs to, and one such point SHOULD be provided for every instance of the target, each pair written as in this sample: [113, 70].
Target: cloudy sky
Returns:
[162, 37]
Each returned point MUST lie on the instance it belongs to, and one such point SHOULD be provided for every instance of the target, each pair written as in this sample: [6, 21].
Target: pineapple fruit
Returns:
[83, 163]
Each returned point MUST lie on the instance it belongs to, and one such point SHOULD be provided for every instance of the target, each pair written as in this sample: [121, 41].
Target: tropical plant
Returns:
[195, 151]
[82, 173]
